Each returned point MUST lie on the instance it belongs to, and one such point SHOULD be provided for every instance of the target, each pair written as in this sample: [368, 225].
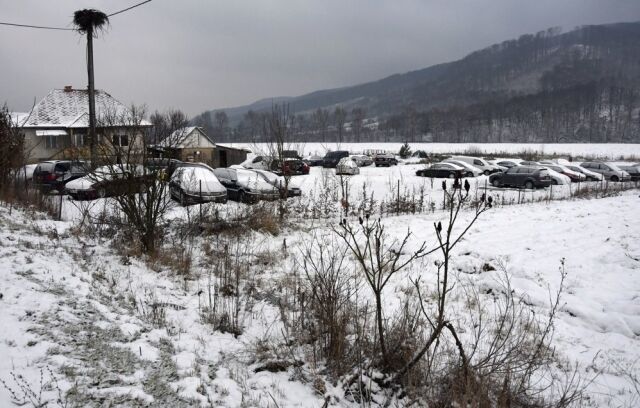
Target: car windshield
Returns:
[268, 177]
[246, 176]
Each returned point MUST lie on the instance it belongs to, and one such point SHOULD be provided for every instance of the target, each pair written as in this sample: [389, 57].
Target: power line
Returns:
[128, 8]
[68, 29]
[35, 26]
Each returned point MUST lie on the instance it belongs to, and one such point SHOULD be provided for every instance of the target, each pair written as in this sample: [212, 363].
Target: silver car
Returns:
[609, 170]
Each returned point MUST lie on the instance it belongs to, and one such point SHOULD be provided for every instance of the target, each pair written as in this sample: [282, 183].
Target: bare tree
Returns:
[357, 119]
[339, 119]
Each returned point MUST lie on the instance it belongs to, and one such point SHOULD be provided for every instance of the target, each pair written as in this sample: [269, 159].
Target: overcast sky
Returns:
[197, 55]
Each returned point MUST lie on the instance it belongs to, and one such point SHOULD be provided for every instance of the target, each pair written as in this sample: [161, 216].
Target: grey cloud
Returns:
[198, 54]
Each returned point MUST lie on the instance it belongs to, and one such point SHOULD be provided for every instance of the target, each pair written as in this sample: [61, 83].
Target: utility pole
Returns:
[92, 99]
[87, 21]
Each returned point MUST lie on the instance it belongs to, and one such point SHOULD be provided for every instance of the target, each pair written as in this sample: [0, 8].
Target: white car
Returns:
[575, 176]
[114, 180]
[591, 175]
[469, 170]
[348, 167]
[256, 162]
[486, 167]
[556, 177]
[362, 160]
[196, 184]
[279, 182]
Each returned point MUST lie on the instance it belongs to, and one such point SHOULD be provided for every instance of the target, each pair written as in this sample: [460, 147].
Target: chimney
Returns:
[68, 88]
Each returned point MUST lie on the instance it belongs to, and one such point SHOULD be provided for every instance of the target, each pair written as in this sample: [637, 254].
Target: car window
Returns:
[524, 170]
[436, 166]
[543, 173]
[478, 162]
[62, 167]
[512, 170]
[257, 159]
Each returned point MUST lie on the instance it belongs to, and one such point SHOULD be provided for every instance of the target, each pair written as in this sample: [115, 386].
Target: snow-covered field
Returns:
[604, 150]
[117, 330]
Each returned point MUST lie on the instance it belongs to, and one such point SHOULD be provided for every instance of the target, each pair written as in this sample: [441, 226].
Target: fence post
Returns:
[60, 208]
[200, 200]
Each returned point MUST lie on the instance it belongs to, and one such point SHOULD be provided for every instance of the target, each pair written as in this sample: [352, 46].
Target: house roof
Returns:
[185, 137]
[70, 109]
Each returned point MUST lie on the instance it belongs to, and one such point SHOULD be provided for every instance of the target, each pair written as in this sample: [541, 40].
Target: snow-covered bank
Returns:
[127, 334]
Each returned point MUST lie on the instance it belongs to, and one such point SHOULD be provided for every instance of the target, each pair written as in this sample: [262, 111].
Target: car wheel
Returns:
[102, 193]
[528, 185]
[469, 174]
[614, 178]
[452, 175]
[496, 183]
[486, 172]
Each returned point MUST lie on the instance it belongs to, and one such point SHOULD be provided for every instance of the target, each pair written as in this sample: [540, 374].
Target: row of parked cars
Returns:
[188, 183]
[531, 174]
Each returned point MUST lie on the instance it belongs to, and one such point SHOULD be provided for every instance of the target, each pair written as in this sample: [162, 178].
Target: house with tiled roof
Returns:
[57, 126]
[191, 144]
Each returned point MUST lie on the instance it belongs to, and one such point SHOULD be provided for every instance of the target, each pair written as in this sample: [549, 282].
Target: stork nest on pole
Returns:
[90, 20]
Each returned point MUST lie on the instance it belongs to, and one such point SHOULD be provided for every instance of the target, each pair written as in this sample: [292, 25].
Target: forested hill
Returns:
[581, 85]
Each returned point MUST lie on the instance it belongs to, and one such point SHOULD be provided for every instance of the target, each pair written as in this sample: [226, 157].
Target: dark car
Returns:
[522, 176]
[52, 175]
[632, 169]
[331, 159]
[385, 159]
[290, 167]
[441, 170]
[116, 180]
[313, 161]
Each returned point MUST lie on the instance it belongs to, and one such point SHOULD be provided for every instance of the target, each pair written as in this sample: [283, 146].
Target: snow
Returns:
[66, 296]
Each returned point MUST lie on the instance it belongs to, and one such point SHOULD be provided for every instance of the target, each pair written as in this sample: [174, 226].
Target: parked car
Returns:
[331, 159]
[362, 160]
[469, 170]
[633, 170]
[52, 175]
[590, 175]
[608, 170]
[575, 176]
[24, 174]
[442, 170]
[196, 184]
[313, 160]
[108, 181]
[257, 162]
[486, 167]
[385, 159]
[508, 163]
[522, 176]
[245, 186]
[290, 167]
[347, 167]
[279, 183]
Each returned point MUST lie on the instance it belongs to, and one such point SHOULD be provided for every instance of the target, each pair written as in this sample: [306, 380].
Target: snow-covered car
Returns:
[486, 167]
[347, 167]
[575, 176]
[608, 170]
[107, 181]
[557, 178]
[362, 160]
[590, 175]
[196, 184]
[279, 182]
[245, 186]
[469, 170]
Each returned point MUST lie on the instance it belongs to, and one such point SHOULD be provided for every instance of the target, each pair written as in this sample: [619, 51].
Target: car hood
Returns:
[82, 183]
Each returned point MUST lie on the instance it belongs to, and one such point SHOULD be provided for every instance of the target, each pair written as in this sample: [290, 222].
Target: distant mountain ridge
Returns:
[546, 62]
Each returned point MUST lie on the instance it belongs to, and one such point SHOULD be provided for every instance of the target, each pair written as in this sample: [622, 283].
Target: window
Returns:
[80, 139]
[524, 170]
[478, 163]
[257, 159]
[121, 140]
[51, 142]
